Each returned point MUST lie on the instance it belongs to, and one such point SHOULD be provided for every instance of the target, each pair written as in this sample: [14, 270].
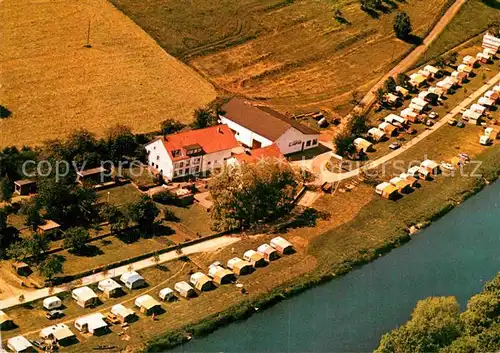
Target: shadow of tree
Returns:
[492, 3]
[4, 112]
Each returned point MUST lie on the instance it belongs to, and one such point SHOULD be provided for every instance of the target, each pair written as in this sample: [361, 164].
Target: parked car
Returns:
[54, 314]
[394, 146]
[452, 122]
[112, 319]
[429, 123]
[410, 131]
[461, 124]
[433, 115]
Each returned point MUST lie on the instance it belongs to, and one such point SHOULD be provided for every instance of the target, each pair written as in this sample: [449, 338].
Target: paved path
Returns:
[319, 165]
[209, 245]
[412, 58]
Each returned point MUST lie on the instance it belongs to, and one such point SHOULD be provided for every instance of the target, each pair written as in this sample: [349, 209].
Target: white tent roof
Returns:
[165, 292]
[380, 187]
[471, 114]
[264, 248]
[393, 117]
[281, 242]
[47, 302]
[419, 101]
[84, 293]
[18, 343]
[108, 285]
[429, 163]
[183, 285]
[93, 321]
[60, 331]
[408, 112]
[146, 301]
[131, 277]
[121, 310]
[431, 69]
[478, 108]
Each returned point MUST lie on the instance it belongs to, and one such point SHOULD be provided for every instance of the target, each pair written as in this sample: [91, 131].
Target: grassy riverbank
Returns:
[385, 232]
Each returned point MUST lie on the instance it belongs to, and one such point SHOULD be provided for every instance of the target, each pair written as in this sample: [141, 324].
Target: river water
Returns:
[454, 256]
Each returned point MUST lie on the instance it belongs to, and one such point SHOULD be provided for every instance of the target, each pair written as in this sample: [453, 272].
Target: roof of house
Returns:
[211, 139]
[60, 331]
[19, 343]
[258, 154]
[49, 224]
[263, 121]
[21, 183]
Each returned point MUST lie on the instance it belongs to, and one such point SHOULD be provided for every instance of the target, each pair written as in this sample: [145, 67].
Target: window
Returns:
[186, 171]
[157, 158]
[176, 173]
[197, 169]
[308, 143]
[208, 163]
[181, 164]
[187, 163]
[315, 142]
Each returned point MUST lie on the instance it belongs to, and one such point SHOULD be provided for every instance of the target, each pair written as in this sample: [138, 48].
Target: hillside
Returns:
[292, 54]
[52, 84]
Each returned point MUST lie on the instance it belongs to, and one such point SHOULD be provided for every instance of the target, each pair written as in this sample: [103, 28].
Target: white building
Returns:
[191, 152]
[257, 127]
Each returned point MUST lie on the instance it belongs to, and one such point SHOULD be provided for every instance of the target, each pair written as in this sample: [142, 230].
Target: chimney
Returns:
[219, 130]
[165, 138]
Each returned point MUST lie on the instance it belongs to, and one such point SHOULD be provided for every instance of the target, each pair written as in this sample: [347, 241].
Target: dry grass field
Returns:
[52, 84]
[293, 55]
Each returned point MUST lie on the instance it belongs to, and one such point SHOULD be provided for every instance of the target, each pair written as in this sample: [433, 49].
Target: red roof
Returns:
[253, 156]
[211, 139]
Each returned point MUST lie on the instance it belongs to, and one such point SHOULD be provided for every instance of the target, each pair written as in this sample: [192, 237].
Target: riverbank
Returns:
[424, 209]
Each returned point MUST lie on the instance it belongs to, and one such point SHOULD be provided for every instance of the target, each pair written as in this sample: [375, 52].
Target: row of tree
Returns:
[436, 325]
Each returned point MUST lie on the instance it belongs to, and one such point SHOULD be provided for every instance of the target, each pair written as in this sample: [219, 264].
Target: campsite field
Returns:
[52, 84]
[293, 55]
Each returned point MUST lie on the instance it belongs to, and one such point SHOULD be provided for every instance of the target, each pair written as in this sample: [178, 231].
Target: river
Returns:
[454, 256]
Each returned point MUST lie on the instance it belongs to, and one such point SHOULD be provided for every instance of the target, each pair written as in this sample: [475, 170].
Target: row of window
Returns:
[314, 142]
[183, 164]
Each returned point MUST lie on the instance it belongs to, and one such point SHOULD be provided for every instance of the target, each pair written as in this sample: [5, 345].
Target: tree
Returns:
[37, 245]
[434, 324]
[390, 85]
[33, 217]
[18, 250]
[203, 118]
[440, 62]
[402, 25]
[357, 124]
[344, 144]
[165, 197]
[144, 213]
[6, 189]
[451, 58]
[380, 95]
[117, 220]
[3, 220]
[246, 195]
[120, 142]
[402, 79]
[76, 239]
[170, 126]
[51, 266]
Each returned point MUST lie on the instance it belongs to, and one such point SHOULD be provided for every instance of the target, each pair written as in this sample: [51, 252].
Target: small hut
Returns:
[256, 259]
[269, 253]
[282, 245]
[220, 275]
[110, 288]
[239, 266]
[167, 295]
[201, 281]
[49, 229]
[147, 305]
[123, 313]
[184, 289]
[24, 187]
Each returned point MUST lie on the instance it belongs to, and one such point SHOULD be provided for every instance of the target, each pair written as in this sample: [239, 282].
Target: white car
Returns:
[433, 115]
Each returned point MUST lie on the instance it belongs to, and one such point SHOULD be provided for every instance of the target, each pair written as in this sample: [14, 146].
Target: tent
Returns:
[256, 259]
[123, 313]
[201, 281]
[59, 332]
[220, 275]
[132, 280]
[239, 266]
[19, 344]
[167, 294]
[184, 289]
[282, 245]
[147, 304]
[85, 297]
[93, 323]
[269, 253]
[110, 288]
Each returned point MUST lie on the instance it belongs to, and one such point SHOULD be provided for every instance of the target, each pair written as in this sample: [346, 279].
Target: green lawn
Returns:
[120, 195]
[193, 217]
[474, 17]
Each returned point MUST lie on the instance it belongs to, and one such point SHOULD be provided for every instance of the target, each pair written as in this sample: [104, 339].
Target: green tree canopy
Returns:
[144, 212]
[117, 220]
[76, 239]
[51, 266]
[358, 124]
[344, 144]
[248, 194]
[203, 118]
[390, 85]
[402, 25]
[6, 189]
[171, 126]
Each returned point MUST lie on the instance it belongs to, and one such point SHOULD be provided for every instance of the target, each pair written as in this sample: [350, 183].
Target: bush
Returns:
[165, 198]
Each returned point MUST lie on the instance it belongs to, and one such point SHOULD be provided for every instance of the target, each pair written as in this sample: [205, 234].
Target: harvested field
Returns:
[292, 54]
[52, 84]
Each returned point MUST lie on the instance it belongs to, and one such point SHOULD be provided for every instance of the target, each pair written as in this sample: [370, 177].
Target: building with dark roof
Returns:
[257, 126]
